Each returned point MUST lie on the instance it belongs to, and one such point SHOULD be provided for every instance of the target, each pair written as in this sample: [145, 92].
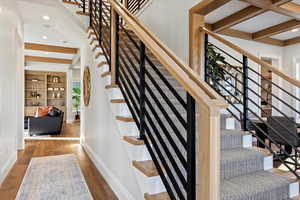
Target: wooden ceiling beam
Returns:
[236, 18]
[248, 36]
[207, 6]
[50, 48]
[48, 60]
[292, 41]
[279, 28]
[291, 7]
[280, 2]
[278, 7]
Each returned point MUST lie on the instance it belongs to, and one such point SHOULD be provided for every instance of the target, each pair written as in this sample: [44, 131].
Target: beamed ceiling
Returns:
[273, 22]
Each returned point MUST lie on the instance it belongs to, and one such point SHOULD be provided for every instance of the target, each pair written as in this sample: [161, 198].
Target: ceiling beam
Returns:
[48, 60]
[236, 18]
[277, 7]
[292, 41]
[248, 36]
[207, 6]
[292, 7]
[279, 28]
[50, 48]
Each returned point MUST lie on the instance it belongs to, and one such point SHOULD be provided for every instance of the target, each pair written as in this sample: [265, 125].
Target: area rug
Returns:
[54, 178]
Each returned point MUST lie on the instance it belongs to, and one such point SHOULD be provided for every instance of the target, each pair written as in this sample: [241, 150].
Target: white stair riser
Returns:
[122, 109]
[151, 185]
[268, 163]
[114, 93]
[294, 189]
[247, 141]
[137, 152]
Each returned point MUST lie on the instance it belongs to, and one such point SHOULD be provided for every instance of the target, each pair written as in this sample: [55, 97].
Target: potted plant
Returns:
[76, 96]
[215, 69]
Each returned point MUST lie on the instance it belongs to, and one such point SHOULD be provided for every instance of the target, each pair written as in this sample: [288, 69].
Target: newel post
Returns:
[208, 120]
[196, 43]
[209, 151]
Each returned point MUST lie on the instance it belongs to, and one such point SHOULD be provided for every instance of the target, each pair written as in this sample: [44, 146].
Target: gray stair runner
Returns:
[242, 169]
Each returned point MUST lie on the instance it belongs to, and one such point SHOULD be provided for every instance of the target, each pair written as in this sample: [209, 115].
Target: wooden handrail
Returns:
[191, 81]
[253, 58]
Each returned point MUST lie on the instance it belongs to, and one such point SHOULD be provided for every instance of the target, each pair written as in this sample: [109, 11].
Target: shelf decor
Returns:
[43, 89]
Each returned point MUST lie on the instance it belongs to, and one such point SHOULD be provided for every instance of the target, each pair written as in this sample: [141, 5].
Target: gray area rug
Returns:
[54, 178]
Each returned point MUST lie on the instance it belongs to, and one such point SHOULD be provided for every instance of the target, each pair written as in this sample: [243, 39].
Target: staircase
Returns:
[164, 116]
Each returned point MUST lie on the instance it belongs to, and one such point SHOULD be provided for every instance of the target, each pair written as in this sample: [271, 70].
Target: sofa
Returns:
[48, 125]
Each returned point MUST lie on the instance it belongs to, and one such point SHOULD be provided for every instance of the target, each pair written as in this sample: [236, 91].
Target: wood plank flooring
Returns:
[70, 130]
[97, 185]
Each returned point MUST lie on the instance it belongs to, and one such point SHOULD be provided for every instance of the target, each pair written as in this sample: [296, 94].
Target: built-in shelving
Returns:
[44, 88]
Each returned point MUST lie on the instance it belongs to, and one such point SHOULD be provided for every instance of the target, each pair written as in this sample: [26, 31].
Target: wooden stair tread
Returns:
[92, 41]
[133, 140]
[105, 74]
[92, 33]
[82, 13]
[111, 86]
[117, 101]
[262, 150]
[125, 119]
[159, 196]
[102, 64]
[98, 54]
[71, 2]
[146, 167]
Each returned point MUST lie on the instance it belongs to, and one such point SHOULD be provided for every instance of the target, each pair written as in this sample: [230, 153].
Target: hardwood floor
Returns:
[70, 130]
[97, 185]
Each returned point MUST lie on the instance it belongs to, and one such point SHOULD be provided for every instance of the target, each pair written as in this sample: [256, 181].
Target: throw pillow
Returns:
[42, 112]
[54, 112]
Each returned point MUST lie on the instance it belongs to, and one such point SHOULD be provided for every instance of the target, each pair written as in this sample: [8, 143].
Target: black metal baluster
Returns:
[206, 59]
[91, 14]
[117, 48]
[83, 4]
[100, 21]
[142, 90]
[245, 92]
[191, 150]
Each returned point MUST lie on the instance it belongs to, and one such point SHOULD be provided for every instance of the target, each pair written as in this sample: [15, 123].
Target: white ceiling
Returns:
[254, 24]
[230, 8]
[63, 29]
[296, 1]
[261, 22]
[287, 35]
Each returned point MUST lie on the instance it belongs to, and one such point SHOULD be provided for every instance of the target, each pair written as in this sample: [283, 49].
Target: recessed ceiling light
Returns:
[46, 17]
[295, 30]
[45, 37]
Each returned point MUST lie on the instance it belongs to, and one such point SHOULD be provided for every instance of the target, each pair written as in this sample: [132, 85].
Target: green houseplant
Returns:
[76, 95]
[215, 69]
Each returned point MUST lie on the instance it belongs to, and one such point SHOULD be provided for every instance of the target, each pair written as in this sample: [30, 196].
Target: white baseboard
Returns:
[7, 167]
[119, 189]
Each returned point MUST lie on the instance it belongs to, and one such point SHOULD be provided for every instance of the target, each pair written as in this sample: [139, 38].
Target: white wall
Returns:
[169, 20]
[11, 65]
[101, 137]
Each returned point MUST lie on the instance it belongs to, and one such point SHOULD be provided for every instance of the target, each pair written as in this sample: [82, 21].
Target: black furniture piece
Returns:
[261, 130]
[284, 132]
[45, 125]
